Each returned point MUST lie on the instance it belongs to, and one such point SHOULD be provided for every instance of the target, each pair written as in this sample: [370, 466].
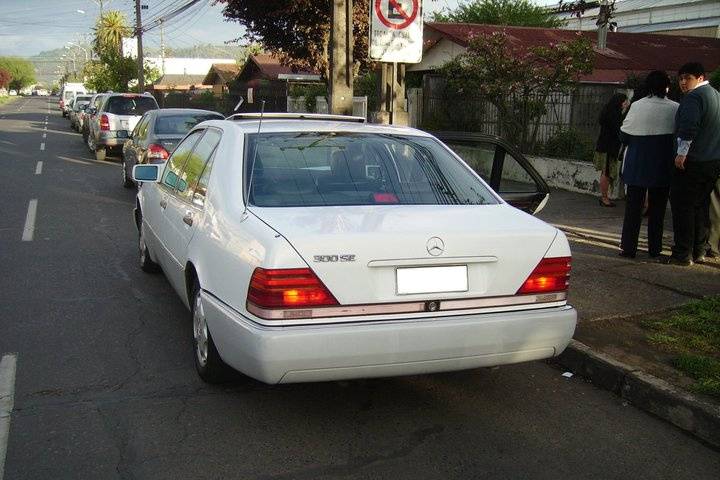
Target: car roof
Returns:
[175, 111]
[246, 126]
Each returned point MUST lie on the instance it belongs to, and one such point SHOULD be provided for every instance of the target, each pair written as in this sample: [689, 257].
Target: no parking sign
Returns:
[396, 31]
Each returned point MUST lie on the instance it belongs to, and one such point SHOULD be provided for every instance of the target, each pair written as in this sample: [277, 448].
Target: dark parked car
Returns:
[156, 134]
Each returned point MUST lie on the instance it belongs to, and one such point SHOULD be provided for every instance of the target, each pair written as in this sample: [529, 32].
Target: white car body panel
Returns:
[227, 241]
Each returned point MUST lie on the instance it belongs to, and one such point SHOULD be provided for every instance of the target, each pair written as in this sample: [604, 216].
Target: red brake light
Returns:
[288, 288]
[550, 275]
[157, 152]
[104, 122]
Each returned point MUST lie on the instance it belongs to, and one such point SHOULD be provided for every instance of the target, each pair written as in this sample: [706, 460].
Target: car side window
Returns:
[196, 163]
[141, 128]
[176, 162]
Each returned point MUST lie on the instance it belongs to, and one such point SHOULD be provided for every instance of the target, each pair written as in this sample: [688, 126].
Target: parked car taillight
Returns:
[288, 288]
[157, 152]
[550, 275]
[104, 123]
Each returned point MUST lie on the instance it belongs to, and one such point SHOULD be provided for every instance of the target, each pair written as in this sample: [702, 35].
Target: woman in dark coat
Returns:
[608, 145]
[648, 132]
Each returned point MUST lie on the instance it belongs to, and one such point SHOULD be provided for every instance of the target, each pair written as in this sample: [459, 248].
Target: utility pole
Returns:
[138, 32]
[341, 58]
[162, 47]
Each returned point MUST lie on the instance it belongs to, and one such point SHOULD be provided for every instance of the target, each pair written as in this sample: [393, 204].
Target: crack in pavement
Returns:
[653, 284]
[415, 440]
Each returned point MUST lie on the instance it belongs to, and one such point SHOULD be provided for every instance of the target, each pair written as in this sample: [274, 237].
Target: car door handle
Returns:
[163, 204]
[187, 219]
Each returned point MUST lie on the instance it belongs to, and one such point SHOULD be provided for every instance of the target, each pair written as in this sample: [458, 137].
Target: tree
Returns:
[113, 71]
[22, 72]
[110, 29]
[5, 78]
[298, 31]
[516, 80]
[520, 13]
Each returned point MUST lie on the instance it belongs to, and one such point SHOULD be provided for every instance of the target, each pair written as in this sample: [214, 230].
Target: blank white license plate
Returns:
[432, 279]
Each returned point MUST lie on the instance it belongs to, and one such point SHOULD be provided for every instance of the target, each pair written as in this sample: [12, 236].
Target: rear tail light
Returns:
[157, 152]
[288, 288]
[104, 123]
[550, 275]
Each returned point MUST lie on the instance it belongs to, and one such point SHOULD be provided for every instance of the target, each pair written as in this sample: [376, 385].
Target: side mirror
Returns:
[146, 173]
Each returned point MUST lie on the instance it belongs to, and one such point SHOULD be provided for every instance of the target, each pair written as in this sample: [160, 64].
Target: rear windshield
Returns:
[181, 124]
[333, 168]
[130, 105]
[68, 94]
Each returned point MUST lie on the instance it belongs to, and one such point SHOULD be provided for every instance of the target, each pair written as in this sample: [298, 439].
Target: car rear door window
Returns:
[130, 104]
[181, 124]
[176, 162]
[196, 162]
[340, 168]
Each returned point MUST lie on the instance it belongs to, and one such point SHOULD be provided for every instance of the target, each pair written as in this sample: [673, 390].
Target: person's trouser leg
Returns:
[714, 213]
[658, 198]
[706, 174]
[633, 219]
[683, 214]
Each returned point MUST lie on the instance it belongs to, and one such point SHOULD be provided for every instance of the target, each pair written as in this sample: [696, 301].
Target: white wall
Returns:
[185, 66]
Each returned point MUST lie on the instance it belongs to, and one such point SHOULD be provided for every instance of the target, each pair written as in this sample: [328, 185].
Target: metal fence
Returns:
[575, 112]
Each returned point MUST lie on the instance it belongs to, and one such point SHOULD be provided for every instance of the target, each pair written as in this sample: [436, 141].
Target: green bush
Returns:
[569, 143]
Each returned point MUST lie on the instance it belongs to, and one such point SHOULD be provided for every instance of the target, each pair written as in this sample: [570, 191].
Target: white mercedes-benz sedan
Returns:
[312, 248]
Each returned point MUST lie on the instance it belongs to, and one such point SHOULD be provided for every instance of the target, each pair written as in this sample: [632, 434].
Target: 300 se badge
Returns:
[334, 258]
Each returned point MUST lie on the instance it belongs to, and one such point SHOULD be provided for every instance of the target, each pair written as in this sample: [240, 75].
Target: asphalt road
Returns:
[106, 387]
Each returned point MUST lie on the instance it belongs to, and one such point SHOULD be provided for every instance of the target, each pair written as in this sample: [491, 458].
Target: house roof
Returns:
[179, 82]
[224, 72]
[268, 67]
[626, 53]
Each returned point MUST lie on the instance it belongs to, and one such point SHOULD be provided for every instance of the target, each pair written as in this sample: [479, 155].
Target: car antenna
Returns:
[252, 164]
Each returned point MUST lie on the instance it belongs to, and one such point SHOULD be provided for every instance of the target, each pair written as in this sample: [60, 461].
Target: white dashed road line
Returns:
[42, 146]
[44, 135]
[29, 230]
[8, 365]
[38, 168]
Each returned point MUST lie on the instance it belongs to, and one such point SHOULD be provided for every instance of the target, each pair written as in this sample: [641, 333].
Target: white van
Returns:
[68, 93]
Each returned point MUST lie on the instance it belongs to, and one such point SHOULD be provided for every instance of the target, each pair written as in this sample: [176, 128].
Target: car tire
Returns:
[209, 365]
[100, 154]
[127, 181]
[146, 263]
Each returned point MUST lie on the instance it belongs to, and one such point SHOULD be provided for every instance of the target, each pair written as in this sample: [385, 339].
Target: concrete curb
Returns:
[645, 391]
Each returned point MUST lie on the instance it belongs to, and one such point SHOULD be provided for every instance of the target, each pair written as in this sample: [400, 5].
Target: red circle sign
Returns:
[400, 13]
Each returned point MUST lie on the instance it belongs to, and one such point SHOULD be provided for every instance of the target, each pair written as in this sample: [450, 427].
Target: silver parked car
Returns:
[112, 121]
[79, 105]
[156, 135]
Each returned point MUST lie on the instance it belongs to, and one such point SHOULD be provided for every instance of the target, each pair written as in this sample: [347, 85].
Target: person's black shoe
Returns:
[626, 254]
[676, 261]
[603, 204]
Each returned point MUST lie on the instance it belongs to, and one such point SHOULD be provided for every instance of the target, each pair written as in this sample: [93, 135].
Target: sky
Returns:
[28, 27]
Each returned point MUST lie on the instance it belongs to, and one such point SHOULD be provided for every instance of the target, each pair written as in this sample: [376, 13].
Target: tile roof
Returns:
[626, 52]
[225, 72]
[270, 66]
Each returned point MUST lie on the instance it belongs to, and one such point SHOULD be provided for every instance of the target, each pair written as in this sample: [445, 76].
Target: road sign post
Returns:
[396, 30]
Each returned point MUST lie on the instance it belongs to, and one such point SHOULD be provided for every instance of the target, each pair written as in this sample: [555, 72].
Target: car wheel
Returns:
[208, 363]
[127, 181]
[146, 263]
[100, 154]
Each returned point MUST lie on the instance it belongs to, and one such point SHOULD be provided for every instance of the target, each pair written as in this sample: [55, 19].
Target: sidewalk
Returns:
[612, 294]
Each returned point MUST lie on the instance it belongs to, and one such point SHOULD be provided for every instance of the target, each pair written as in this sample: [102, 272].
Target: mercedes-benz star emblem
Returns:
[435, 246]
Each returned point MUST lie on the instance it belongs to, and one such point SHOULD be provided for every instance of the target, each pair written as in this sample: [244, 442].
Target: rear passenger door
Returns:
[186, 202]
[505, 169]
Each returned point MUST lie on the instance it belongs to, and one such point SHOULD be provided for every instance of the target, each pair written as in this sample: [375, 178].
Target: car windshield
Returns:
[181, 124]
[333, 168]
[130, 105]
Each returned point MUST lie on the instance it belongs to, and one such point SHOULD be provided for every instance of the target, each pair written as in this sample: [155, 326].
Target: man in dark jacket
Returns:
[697, 164]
